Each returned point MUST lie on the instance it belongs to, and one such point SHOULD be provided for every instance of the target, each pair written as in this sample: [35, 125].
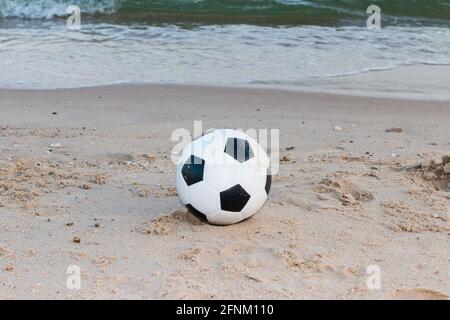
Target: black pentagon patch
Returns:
[193, 169]
[268, 183]
[196, 213]
[239, 149]
[234, 199]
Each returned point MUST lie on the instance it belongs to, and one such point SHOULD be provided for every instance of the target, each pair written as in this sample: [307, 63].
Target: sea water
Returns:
[211, 42]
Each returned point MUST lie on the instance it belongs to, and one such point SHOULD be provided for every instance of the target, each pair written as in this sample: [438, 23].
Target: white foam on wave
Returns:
[234, 55]
[47, 9]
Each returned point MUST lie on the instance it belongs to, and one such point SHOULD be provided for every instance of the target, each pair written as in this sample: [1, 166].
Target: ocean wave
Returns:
[47, 9]
[232, 55]
[304, 10]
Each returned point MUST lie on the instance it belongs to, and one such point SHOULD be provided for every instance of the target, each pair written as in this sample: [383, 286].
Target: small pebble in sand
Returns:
[54, 113]
[290, 148]
[76, 239]
[397, 130]
[337, 128]
[394, 155]
[9, 267]
[69, 224]
[97, 225]
[85, 186]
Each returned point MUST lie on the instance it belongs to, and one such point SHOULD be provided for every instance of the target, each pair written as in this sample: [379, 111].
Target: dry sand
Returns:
[86, 179]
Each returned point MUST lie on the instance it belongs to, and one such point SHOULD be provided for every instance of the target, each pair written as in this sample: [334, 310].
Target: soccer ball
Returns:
[223, 176]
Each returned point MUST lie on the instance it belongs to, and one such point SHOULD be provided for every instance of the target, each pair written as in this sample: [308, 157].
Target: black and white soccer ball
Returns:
[223, 176]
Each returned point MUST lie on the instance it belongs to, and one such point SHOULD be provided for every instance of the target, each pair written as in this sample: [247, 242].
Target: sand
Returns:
[418, 82]
[86, 179]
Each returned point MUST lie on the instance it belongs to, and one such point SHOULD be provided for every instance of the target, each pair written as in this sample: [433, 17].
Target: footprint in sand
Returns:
[170, 224]
[347, 192]
[436, 174]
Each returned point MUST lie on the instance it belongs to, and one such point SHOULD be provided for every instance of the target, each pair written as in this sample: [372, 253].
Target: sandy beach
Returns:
[86, 179]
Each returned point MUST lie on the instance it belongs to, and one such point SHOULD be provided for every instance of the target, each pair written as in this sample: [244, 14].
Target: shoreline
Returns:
[86, 179]
[415, 82]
